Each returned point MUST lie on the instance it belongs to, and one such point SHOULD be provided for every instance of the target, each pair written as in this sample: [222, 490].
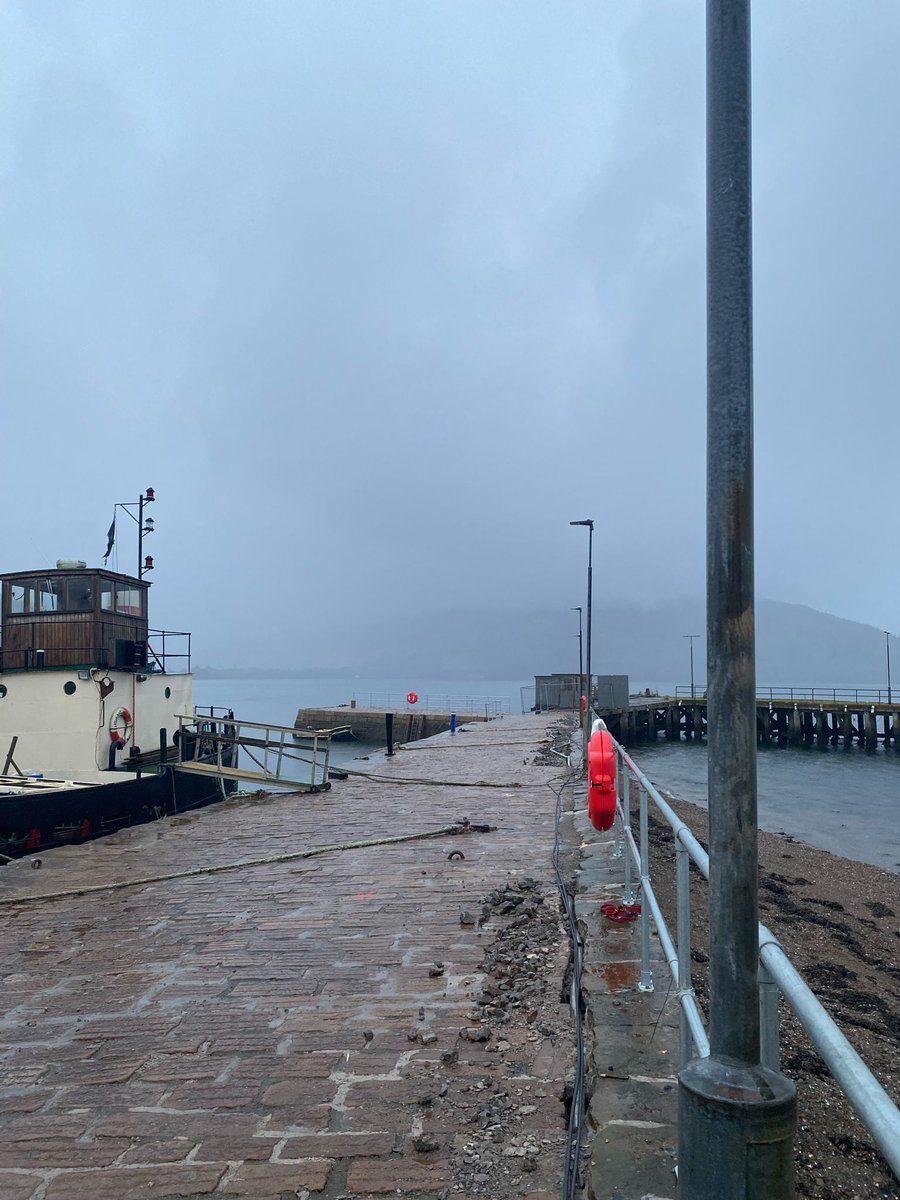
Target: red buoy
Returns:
[601, 780]
[412, 698]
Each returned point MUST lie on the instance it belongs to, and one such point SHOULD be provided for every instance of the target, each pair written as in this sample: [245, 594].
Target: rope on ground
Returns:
[461, 745]
[459, 827]
[478, 783]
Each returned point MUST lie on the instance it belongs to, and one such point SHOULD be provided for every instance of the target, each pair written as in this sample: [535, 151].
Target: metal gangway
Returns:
[217, 744]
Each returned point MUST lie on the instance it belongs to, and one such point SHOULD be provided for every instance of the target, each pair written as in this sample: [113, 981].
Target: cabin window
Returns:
[21, 596]
[128, 600]
[79, 597]
[107, 595]
[51, 594]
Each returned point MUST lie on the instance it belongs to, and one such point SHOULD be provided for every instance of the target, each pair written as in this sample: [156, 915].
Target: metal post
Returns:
[626, 810]
[769, 1049]
[587, 716]
[683, 887]
[618, 823]
[887, 646]
[645, 984]
[389, 733]
[736, 1118]
[141, 536]
[589, 712]
[580, 658]
[690, 637]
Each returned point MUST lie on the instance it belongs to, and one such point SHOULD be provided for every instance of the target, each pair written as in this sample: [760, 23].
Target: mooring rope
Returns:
[459, 827]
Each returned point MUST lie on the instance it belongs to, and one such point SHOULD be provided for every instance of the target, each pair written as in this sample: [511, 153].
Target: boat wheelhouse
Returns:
[85, 685]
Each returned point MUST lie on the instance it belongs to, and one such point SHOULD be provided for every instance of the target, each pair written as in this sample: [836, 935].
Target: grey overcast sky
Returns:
[379, 296]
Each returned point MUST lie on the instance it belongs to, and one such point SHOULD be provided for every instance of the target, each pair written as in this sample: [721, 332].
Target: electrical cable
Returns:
[576, 1110]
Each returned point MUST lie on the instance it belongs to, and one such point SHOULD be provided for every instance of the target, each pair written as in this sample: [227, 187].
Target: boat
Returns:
[98, 728]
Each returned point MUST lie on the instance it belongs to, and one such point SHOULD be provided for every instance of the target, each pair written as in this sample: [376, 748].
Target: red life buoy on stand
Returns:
[601, 780]
[412, 698]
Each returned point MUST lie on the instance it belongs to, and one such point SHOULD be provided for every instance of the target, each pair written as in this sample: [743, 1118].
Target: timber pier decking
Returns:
[787, 720]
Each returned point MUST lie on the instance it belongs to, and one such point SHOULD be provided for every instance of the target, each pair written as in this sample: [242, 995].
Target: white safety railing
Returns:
[874, 1106]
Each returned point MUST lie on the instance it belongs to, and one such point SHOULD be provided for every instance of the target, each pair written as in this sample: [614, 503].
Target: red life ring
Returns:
[121, 725]
[601, 780]
[412, 698]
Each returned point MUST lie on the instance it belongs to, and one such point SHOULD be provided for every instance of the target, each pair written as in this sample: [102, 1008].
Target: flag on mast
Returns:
[110, 538]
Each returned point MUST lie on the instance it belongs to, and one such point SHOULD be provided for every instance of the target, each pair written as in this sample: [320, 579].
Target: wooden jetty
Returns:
[789, 721]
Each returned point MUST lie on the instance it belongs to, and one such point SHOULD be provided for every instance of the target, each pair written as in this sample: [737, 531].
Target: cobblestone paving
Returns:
[292, 1029]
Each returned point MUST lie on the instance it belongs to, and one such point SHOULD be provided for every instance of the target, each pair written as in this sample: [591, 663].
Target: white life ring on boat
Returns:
[121, 725]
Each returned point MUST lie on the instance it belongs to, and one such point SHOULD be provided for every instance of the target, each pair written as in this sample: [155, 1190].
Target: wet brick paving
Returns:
[273, 1031]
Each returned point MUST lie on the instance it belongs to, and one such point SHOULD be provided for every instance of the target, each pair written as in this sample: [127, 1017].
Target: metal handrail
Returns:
[797, 694]
[873, 1105]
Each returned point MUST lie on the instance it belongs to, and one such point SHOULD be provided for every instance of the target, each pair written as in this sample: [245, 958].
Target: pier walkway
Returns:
[381, 1019]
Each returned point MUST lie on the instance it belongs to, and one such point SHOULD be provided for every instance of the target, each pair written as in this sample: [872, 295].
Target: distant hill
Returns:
[796, 646]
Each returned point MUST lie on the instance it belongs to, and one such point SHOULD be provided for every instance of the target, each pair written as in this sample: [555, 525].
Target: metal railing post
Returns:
[629, 896]
[769, 1043]
[646, 981]
[621, 845]
[683, 891]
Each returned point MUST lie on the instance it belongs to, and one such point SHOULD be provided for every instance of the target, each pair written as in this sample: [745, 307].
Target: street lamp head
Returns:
[590, 524]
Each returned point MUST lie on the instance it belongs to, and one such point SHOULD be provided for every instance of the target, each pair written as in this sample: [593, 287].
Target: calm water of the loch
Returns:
[843, 800]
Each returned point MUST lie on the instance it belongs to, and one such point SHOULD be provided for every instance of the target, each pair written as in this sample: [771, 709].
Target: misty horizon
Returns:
[379, 299]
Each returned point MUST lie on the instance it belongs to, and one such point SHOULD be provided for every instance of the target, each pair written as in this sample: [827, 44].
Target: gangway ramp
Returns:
[215, 745]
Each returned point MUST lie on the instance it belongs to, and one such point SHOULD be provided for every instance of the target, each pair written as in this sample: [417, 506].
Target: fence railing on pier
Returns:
[489, 706]
[824, 695]
[873, 1105]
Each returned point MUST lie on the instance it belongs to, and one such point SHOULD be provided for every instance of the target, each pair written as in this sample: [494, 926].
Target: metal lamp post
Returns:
[690, 637]
[887, 647]
[588, 712]
[736, 1118]
[580, 657]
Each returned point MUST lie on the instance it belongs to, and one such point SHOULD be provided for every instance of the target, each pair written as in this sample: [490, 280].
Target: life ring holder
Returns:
[121, 725]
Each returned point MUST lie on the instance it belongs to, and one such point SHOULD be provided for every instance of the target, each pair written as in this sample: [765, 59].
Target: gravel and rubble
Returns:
[519, 1005]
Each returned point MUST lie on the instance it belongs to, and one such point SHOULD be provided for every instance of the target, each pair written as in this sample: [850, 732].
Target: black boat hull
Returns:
[58, 816]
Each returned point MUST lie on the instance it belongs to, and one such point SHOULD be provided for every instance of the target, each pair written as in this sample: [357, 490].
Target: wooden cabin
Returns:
[75, 617]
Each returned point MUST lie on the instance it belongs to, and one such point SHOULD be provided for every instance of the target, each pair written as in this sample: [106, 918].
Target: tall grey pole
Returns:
[735, 1118]
[690, 637]
[586, 732]
[587, 652]
[580, 657]
[887, 646]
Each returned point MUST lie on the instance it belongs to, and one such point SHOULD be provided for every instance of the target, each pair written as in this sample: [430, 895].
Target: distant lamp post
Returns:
[690, 637]
[580, 658]
[887, 648]
[588, 712]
